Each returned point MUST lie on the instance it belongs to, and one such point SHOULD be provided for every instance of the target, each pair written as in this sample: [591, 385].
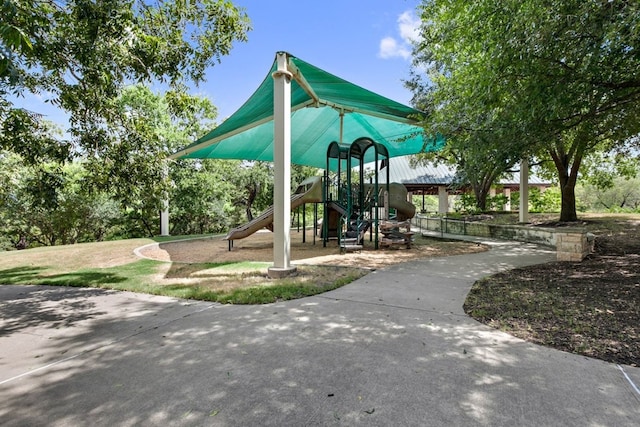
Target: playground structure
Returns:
[351, 205]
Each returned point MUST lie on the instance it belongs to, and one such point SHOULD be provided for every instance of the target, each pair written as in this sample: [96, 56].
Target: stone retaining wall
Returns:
[572, 244]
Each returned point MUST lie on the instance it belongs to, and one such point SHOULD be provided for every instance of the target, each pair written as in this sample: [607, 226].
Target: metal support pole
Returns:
[304, 223]
[164, 213]
[524, 191]
[282, 169]
[325, 206]
[315, 221]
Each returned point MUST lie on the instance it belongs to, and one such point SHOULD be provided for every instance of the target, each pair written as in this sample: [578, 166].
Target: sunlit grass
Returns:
[113, 265]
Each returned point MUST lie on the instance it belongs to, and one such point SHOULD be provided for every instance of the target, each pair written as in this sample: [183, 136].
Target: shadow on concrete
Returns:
[24, 307]
[391, 349]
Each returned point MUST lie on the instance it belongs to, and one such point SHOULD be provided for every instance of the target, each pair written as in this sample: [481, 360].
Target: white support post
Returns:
[164, 213]
[524, 191]
[443, 200]
[282, 169]
[507, 204]
[164, 218]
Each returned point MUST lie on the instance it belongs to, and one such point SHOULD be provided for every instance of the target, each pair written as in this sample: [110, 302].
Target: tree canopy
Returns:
[554, 78]
[80, 54]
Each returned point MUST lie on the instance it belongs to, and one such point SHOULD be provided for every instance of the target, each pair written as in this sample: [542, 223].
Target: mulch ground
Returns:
[590, 308]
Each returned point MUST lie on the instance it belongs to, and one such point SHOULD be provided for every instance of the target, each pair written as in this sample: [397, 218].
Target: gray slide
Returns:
[309, 191]
[397, 199]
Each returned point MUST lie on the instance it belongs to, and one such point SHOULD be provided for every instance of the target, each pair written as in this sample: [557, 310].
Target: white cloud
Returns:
[408, 32]
[409, 26]
[390, 48]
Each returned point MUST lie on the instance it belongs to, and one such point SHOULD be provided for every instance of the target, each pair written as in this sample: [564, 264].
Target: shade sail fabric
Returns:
[318, 100]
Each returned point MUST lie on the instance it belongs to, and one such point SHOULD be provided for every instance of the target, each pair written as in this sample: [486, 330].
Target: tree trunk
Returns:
[147, 225]
[568, 177]
[482, 189]
[568, 210]
[252, 191]
[481, 199]
[22, 243]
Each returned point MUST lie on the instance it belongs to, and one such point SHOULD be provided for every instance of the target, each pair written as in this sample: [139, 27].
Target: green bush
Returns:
[466, 203]
[549, 200]
[497, 202]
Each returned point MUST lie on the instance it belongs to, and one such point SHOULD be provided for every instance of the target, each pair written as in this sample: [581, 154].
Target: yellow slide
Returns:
[309, 191]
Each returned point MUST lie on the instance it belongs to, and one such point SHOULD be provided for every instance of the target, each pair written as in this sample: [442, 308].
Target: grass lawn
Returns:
[113, 265]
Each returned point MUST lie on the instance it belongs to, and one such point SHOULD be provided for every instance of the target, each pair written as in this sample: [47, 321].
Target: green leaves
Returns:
[83, 53]
[553, 78]
[25, 133]
[12, 39]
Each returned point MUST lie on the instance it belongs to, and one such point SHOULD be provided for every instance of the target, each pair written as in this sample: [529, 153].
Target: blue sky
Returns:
[363, 41]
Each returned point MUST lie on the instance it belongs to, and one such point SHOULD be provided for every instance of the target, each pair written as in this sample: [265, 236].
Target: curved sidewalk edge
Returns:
[392, 348]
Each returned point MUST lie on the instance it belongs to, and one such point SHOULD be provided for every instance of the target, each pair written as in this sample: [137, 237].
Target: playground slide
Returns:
[397, 200]
[309, 191]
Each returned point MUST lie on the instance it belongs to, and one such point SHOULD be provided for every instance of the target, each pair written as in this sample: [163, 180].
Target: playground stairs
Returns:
[337, 207]
[352, 239]
[350, 244]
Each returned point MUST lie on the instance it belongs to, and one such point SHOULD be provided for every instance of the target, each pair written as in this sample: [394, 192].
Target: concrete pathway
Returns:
[391, 349]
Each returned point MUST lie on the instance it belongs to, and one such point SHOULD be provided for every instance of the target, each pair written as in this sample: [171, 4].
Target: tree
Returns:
[82, 53]
[47, 204]
[253, 183]
[481, 152]
[254, 180]
[11, 173]
[148, 127]
[611, 180]
[118, 193]
[479, 163]
[556, 78]
[201, 199]
[602, 170]
[213, 195]
[624, 195]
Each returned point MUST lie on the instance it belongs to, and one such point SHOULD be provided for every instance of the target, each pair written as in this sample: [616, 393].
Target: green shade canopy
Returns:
[321, 105]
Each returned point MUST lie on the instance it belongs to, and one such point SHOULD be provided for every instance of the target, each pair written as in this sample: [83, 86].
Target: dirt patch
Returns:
[259, 248]
[207, 269]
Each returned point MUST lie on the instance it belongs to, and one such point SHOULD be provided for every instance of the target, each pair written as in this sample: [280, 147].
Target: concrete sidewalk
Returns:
[393, 348]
